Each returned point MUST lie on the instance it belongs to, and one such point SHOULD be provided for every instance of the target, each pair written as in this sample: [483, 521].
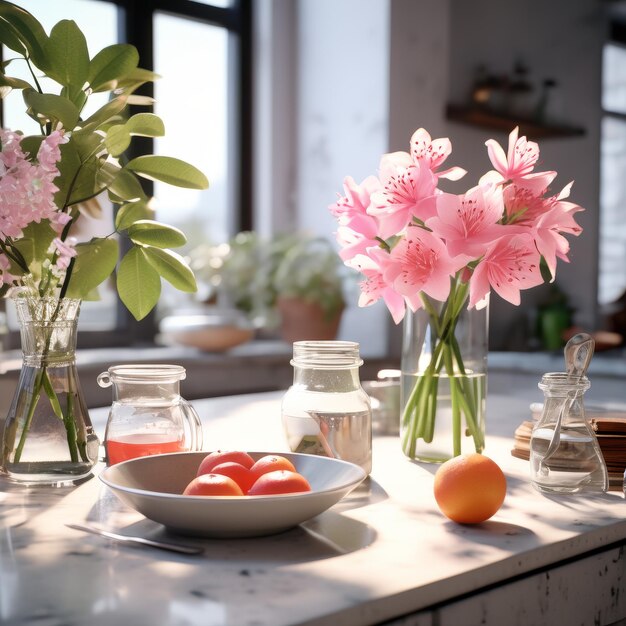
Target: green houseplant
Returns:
[267, 278]
[47, 181]
[308, 283]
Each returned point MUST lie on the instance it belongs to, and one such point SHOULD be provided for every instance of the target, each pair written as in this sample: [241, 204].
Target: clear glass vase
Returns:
[48, 436]
[444, 378]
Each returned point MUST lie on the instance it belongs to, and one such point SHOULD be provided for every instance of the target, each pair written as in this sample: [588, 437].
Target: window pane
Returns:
[612, 202]
[194, 101]
[614, 78]
[97, 20]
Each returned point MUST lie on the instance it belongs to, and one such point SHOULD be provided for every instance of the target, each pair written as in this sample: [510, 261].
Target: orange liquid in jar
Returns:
[133, 446]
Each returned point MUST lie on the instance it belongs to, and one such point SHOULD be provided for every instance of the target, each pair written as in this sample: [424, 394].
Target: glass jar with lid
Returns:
[325, 411]
[565, 456]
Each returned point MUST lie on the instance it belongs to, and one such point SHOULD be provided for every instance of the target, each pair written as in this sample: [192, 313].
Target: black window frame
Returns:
[136, 26]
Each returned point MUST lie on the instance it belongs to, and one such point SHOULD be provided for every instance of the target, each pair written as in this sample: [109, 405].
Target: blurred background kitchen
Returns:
[278, 100]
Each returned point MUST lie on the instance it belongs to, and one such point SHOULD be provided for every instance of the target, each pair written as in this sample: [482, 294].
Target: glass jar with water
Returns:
[325, 411]
[565, 456]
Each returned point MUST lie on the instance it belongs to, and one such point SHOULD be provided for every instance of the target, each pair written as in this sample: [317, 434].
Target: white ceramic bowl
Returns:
[153, 486]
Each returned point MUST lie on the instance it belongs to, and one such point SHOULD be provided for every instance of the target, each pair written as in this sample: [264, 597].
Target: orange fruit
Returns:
[223, 456]
[279, 481]
[271, 463]
[212, 485]
[469, 488]
[240, 474]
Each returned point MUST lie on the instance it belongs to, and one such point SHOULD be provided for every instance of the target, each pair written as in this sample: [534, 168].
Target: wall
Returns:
[365, 73]
[558, 39]
[342, 83]
[418, 80]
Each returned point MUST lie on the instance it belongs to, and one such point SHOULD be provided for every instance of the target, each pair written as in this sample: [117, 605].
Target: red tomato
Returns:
[271, 463]
[279, 481]
[212, 485]
[222, 456]
[240, 474]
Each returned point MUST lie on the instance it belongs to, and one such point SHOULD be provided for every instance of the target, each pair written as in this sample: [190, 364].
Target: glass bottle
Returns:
[148, 415]
[325, 411]
[565, 456]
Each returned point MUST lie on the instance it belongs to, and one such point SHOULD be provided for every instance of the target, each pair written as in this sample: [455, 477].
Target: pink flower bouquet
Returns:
[420, 248]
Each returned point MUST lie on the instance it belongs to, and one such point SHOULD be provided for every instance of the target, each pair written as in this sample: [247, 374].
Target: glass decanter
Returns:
[565, 456]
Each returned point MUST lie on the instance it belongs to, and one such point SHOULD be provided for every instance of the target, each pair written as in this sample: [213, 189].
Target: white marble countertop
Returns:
[382, 553]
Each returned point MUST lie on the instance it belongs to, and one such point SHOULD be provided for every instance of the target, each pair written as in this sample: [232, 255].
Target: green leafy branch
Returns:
[92, 161]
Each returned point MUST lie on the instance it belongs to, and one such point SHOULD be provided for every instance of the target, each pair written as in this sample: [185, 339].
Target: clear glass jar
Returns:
[325, 411]
[148, 415]
[565, 456]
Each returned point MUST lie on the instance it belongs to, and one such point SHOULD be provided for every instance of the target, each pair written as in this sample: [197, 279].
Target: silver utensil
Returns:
[162, 545]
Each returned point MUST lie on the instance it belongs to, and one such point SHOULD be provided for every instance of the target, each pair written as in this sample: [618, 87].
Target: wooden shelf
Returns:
[506, 123]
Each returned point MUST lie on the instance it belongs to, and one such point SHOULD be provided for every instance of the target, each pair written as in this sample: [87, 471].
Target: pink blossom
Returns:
[26, 188]
[469, 222]
[356, 199]
[434, 152]
[49, 153]
[520, 160]
[408, 238]
[5, 265]
[404, 187]
[374, 287]
[357, 230]
[510, 264]
[353, 242]
[65, 251]
[420, 262]
[546, 219]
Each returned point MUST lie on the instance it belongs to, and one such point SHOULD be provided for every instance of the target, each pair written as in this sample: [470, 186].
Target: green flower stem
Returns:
[419, 414]
[29, 415]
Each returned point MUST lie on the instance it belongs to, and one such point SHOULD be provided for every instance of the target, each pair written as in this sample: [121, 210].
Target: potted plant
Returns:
[293, 281]
[308, 282]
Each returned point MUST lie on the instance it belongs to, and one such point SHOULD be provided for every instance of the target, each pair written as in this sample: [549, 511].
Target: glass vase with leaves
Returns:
[48, 180]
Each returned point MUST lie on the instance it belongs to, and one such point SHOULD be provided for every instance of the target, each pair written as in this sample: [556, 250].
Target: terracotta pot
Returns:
[306, 321]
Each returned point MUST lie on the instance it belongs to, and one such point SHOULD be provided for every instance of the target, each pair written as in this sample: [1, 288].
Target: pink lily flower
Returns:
[520, 160]
[353, 242]
[546, 219]
[404, 186]
[510, 264]
[375, 287]
[468, 223]
[421, 262]
[357, 230]
[434, 152]
[356, 199]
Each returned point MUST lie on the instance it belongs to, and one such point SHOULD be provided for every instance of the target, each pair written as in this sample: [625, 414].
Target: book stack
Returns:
[610, 429]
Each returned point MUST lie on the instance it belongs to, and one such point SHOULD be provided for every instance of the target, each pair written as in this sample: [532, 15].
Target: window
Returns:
[612, 183]
[202, 51]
